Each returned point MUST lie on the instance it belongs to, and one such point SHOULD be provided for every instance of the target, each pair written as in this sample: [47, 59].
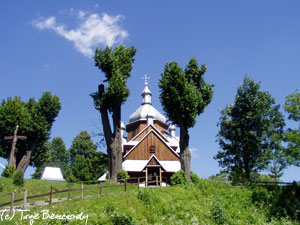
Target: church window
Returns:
[152, 149]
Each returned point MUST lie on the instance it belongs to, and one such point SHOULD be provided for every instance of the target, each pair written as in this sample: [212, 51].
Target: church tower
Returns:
[150, 150]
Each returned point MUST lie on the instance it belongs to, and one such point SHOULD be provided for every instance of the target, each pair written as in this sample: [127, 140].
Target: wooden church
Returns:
[151, 148]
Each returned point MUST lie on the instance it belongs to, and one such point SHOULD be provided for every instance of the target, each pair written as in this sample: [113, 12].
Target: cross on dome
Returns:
[146, 78]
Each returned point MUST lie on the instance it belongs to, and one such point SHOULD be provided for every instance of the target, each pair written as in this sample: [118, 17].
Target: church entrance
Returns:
[153, 176]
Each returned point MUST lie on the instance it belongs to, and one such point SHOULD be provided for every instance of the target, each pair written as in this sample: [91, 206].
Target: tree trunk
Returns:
[116, 146]
[108, 137]
[106, 129]
[12, 158]
[25, 161]
[185, 155]
[246, 167]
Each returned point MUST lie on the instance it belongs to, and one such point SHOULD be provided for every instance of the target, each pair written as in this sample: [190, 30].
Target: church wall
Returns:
[142, 151]
[140, 137]
[160, 126]
[134, 129]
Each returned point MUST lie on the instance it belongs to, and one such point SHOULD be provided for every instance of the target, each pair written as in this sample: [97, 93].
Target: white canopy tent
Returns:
[52, 173]
[103, 177]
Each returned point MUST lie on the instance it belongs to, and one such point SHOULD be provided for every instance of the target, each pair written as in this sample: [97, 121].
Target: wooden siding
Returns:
[127, 149]
[161, 126]
[141, 135]
[153, 162]
[142, 150]
[134, 128]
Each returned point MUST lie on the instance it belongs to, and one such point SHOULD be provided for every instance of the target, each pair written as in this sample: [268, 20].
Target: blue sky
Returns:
[47, 45]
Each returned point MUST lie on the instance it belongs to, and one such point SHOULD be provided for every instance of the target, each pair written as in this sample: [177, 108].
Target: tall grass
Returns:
[207, 202]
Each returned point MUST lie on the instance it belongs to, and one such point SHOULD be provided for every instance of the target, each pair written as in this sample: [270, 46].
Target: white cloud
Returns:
[194, 152]
[81, 14]
[94, 30]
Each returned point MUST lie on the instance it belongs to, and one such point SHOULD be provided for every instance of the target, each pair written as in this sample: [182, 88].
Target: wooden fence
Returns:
[123, 182]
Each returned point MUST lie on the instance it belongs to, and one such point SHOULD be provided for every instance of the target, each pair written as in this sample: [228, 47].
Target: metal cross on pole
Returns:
[14, 138]
[146, 78]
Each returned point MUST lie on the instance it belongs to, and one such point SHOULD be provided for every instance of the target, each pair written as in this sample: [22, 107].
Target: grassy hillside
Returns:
[206, 203]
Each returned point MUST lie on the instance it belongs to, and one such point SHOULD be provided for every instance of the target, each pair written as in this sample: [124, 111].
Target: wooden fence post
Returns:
[100, 186]
[156, 180]
[51, 190]
[125, 186]
[138, 183]
[12, 201]
[25, 198]
[69, 191]
[81, 189]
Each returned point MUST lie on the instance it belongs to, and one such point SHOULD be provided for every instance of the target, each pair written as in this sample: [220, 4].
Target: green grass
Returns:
[35, 187]
[206, 203]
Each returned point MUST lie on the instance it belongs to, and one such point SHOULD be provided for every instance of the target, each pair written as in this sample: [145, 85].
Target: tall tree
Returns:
[116, 64]
[85, 162]
[56, 155]
[250, 131]
[292, 136]
[35, 119]
[184, 95]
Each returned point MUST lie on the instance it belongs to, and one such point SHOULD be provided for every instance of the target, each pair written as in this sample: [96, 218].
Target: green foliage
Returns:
[9, 171]
[121, 218]
[292, 136]
[116, 64]
[195, 178]
[222, 176]
[144, 196]
[184, 94]
[206, 203]
[18, 179]
[35, 119]
[292, 106]
[123, 176]
[279, 201]
[85, 162]
[179, 178]
[218, 213]
[56, 155]
[250, 132]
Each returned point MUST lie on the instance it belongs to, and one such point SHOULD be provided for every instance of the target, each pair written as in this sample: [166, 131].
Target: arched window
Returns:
[152, 149]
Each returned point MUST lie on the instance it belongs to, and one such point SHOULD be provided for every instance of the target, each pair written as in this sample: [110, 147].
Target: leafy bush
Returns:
[218, 213]
[144, 196]
[279, 201]
[9, 171]
[121, 218]
[18, 179]
[122, 175]
[287, 202]
[179, 178]
[195, 179]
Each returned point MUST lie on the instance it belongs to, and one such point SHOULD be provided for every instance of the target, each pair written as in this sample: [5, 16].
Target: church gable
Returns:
[145, 131]
[153, 162]
[151, 144]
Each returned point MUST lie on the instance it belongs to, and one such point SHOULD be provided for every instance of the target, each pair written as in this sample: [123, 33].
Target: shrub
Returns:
[9, 171]
[218, 213]
[121, 218]
[195, 179]
[179, 178]
[122, 175]
[144, 196]
[18, 179]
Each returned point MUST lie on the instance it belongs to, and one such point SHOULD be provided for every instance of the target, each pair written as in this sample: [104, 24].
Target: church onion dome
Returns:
[146, 111]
